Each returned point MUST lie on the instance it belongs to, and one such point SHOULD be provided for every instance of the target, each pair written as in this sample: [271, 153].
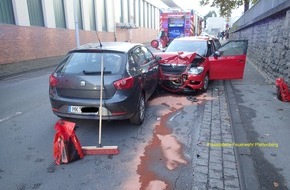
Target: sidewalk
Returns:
[215, 165]
[259, 118]
[243, 141]
[12, 69]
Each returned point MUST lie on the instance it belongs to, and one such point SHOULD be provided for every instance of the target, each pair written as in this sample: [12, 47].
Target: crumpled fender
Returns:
[176, 58]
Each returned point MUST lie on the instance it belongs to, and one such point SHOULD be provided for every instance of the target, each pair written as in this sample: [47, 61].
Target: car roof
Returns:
[195, 38]
[108, 46]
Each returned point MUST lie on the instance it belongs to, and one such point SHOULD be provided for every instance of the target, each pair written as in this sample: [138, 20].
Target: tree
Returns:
[210, 14]
[227, 6]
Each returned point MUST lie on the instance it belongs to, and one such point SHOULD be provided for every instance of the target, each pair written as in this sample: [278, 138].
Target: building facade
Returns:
[33, 29]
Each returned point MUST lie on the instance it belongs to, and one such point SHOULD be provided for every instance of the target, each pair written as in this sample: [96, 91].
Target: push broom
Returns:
[93, 150]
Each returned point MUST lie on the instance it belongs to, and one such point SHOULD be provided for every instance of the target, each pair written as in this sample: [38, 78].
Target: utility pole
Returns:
[76, 24]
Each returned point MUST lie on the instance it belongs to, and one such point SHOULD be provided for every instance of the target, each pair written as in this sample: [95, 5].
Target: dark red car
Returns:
[189, 63]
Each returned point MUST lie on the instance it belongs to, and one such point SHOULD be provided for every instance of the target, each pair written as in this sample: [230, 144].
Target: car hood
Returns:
[178, 58]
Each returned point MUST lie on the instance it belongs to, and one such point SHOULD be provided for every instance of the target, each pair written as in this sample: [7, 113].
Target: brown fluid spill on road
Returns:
[163, 146]
[156, 185]
[172, 151]
[163, 150]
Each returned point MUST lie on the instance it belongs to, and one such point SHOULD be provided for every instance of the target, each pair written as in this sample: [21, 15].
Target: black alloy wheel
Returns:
[139, 116]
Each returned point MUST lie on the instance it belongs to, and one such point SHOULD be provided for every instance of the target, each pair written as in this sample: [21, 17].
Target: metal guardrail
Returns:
[260, 10]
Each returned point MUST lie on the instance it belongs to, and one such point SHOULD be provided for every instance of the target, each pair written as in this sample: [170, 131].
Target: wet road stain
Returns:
[163, 155]
[51, 168]
[163, 150]
[202, 98]
[39, 160]
[36, 186]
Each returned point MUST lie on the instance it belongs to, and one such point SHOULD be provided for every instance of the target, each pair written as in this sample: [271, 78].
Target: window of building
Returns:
[79, 12]
[149, 16]
[121, 12]
[6, 12]
[104, 16]
[152, 16]
[140, 13]
[128, 11]
[118, 11]
[144, 15]
[92, 15]
[59, 14]
[35, 12]
[135, 11]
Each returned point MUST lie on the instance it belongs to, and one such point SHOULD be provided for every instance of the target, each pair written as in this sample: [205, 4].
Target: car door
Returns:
[153, 69]
[229, 61]
[142, 68]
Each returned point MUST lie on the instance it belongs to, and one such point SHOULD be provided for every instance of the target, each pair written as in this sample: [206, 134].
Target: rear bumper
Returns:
[117, 108]
[93, 117]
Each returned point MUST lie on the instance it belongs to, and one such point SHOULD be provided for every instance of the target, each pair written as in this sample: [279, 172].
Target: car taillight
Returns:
[125, 83]
[53, 80]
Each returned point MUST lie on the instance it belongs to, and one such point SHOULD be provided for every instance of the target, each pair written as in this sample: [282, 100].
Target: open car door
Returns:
[229, 61]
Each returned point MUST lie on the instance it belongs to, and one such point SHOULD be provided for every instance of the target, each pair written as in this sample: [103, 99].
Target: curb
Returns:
[14, 69]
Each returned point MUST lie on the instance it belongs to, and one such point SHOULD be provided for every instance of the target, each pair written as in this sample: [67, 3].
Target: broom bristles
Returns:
[93, 150]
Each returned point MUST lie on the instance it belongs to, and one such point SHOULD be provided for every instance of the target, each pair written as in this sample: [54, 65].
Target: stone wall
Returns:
[268, 44]
[22, 43]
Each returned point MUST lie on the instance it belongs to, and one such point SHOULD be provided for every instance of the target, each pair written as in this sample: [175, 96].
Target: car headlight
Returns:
[195, 70]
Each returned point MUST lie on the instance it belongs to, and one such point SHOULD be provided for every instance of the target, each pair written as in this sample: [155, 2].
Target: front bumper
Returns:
[183, 82]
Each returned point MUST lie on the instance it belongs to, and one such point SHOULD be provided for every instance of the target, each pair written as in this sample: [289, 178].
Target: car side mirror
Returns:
[217, 54]
[158, 58]
[155, 44]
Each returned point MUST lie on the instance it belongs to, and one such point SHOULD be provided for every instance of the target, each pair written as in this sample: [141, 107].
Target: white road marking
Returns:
[10, 117]
[173, 117]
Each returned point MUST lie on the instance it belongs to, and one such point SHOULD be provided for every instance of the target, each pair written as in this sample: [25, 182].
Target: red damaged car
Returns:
[189, 63]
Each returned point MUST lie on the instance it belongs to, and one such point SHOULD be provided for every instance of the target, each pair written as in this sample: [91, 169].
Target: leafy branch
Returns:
[226, 6]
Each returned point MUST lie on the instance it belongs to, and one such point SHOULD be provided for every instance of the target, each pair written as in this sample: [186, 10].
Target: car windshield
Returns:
[198, 47]
[90, 63]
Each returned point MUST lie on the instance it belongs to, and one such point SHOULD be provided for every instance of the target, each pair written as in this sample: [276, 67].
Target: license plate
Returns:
[75, 109]
[170, 78]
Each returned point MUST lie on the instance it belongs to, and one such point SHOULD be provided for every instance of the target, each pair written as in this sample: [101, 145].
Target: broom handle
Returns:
[101, 101]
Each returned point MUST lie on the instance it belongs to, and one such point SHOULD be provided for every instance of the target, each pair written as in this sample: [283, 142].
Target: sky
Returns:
[194, 4]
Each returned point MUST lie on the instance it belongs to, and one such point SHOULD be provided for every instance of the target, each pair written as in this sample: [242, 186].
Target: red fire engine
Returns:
[175, 23]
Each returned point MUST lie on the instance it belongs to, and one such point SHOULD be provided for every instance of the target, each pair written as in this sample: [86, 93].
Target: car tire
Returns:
[205, 83]
[139, 116]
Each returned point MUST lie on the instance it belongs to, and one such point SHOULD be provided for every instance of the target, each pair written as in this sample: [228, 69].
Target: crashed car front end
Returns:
[181, 72]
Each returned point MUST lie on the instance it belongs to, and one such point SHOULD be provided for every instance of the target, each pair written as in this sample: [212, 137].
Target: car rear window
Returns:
[198, 47]
[90, 62]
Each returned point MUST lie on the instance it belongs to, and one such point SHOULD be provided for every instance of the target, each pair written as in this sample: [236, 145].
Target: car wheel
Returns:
[278, 91]
[139, 116]
[205, 83]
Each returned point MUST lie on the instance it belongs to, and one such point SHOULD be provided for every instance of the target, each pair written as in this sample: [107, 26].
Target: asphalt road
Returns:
[158, 153]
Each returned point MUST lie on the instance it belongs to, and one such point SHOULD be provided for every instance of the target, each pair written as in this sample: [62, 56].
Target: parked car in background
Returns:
[130, 78]
[189, 63]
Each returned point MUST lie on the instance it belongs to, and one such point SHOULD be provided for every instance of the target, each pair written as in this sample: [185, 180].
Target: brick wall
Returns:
[19, 43]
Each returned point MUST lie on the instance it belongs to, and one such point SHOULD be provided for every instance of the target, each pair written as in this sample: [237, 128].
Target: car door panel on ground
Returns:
[231, 62]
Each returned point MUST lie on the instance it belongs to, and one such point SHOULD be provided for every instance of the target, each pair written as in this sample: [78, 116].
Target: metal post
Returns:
[76, 23]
